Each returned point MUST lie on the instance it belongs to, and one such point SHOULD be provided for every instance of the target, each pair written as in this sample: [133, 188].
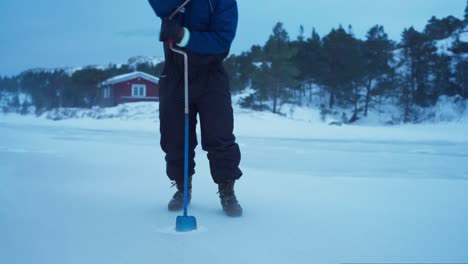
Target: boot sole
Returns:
[176, 209]
[233, 214]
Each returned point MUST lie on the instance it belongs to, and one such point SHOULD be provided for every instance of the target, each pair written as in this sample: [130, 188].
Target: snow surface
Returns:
[6, 98]
[151, 60]
[464, 35]
[89, 190]
[443, 46]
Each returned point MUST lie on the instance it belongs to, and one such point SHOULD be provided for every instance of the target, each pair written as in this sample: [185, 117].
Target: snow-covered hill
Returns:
[151, 60]
[132, 62]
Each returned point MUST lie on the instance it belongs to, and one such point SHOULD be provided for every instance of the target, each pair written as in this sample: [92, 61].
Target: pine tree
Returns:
[460, 49]
[278, 55]
[305, 60]
[146, 68]
[342, 66]
[309, 61]
[462, 78]
[241, 68]
[442, 78]
[377, 55]
[3, 84]
[466, 13]
[418, 52]
[262, 82]
[437, 29]
[86, 83]
[37, 84]
[300, 37]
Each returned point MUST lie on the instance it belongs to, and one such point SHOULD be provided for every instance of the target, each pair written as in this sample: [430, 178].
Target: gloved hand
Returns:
[171, 31]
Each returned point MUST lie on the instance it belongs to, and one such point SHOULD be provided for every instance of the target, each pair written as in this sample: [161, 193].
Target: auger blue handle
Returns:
[186, 156]
[186, 140]
[185, 223]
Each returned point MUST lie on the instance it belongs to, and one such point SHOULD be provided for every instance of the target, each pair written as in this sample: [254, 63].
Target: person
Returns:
[204, 29]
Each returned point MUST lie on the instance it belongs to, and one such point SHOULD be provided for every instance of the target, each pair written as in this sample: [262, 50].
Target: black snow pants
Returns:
[210, 99]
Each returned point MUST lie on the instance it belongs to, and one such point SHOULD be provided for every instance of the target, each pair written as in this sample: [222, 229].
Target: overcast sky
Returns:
[56, 33]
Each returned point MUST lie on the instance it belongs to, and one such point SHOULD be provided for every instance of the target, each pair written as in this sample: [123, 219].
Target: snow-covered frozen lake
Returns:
[92, 194]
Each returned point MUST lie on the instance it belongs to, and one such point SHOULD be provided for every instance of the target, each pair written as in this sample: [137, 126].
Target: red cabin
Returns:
[132, 87]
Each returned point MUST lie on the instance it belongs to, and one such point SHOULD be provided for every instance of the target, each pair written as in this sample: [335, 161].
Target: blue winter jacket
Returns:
[212, 23]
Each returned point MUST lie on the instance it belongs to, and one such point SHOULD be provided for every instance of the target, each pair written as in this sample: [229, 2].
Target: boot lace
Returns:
[178, 195]
[230, 200]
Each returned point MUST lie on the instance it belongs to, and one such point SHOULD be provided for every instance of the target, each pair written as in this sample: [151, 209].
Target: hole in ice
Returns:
[424, 151]
[171, 230]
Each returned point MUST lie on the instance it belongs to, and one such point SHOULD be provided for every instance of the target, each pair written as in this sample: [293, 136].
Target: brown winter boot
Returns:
[228, 199]
[177, 201]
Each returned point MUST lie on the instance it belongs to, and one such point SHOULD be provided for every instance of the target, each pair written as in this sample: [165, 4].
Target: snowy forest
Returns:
[335, 71]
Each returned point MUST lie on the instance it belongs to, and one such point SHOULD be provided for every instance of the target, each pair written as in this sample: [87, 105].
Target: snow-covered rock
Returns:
[129, 111]
[447, 109]
[151, 60]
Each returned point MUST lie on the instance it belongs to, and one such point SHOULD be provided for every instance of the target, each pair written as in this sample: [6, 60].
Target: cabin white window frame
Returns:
[138, 90]
[107, 92]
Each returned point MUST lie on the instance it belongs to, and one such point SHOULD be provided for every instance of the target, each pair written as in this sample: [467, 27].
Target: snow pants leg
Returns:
[172, 128]
[210, 98]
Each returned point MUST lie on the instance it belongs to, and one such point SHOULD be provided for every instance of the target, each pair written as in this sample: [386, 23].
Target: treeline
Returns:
[49, 89]
[350, 73]
[336, 71]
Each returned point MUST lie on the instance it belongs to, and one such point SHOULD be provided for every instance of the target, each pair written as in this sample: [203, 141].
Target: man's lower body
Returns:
[210, 99]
